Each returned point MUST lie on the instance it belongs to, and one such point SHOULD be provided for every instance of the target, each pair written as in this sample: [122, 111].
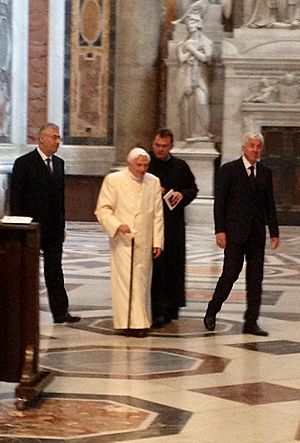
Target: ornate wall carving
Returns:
[261, 83]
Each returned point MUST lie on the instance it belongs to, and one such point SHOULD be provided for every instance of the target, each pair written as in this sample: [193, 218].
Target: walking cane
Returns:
[130, 284]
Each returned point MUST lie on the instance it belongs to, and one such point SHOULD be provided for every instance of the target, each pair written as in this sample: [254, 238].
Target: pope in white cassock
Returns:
[130, 205]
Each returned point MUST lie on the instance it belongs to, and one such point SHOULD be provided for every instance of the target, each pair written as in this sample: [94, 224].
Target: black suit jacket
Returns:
[36, 193]
[238, 208]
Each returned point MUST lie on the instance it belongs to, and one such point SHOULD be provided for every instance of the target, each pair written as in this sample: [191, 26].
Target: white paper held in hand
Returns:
[168, 199]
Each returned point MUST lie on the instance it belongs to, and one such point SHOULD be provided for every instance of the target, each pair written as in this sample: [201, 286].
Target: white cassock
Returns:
[123, 199]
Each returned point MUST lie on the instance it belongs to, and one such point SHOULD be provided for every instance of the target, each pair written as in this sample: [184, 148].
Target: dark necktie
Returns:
[252, 178]
[48, 163]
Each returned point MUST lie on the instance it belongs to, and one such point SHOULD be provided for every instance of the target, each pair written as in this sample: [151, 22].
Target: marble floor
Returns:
[180, 384]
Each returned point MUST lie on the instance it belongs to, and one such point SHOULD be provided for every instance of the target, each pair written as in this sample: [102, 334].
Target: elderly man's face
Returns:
[139, 166]
[252, 150]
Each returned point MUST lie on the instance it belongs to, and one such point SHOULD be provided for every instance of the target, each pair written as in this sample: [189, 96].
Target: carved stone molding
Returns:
[257, 115]
[251, 56]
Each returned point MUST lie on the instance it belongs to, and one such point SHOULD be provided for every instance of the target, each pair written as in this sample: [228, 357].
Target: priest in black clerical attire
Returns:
[177, 179]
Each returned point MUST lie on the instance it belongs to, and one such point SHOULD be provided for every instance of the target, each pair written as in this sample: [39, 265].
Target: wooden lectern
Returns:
[19, 311]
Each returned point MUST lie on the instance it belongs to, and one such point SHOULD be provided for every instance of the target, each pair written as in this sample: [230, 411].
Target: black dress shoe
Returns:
[139, 333]
[210, 322]
[68, 318]
[173, 314]
[254, 329]
[72, 318]
[168, 319]
[158, 322]
[121, 331]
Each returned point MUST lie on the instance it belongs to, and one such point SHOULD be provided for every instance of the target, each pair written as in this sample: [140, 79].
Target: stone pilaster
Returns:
[136, 91]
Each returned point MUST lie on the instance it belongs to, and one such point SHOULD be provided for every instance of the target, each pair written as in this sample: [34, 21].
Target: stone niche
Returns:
[262, 83]
[199, 153]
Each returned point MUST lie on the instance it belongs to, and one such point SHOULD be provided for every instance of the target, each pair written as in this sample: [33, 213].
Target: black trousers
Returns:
[253, 252]
[54, 277]
[159, 299]
[168, 288]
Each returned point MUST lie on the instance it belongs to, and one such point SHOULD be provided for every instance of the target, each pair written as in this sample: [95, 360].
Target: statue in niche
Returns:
[275, 14]
[289, 89]
[293, 12]
[194, 55]
[200, 8]
[267, 92]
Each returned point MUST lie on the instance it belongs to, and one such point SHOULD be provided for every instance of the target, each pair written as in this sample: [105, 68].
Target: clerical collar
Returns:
[160, 159]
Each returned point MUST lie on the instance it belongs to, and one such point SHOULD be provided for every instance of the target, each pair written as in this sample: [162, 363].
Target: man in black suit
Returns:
[37, 190]
[244, 205]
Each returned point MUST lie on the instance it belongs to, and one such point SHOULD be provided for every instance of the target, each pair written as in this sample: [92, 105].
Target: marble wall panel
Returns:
[5, 70]
[89, 72]
[37, 67]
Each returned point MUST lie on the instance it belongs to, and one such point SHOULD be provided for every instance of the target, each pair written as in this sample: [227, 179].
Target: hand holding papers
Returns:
[168, 197]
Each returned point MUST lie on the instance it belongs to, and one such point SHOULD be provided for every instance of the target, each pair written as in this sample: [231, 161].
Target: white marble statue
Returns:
[275, 14]
[5, 106]
[200, 7]
[293, 12]
[193, 55]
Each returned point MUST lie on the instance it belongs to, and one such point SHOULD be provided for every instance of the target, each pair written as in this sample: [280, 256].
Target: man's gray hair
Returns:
[137, 152]
[253, 135]
[46, 126]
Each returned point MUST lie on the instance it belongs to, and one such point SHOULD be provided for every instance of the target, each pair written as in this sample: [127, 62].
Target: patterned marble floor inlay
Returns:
[253, 393]
[93, 418]
[129, 363]
[179, 384]
[185, 327]
[279, 347]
